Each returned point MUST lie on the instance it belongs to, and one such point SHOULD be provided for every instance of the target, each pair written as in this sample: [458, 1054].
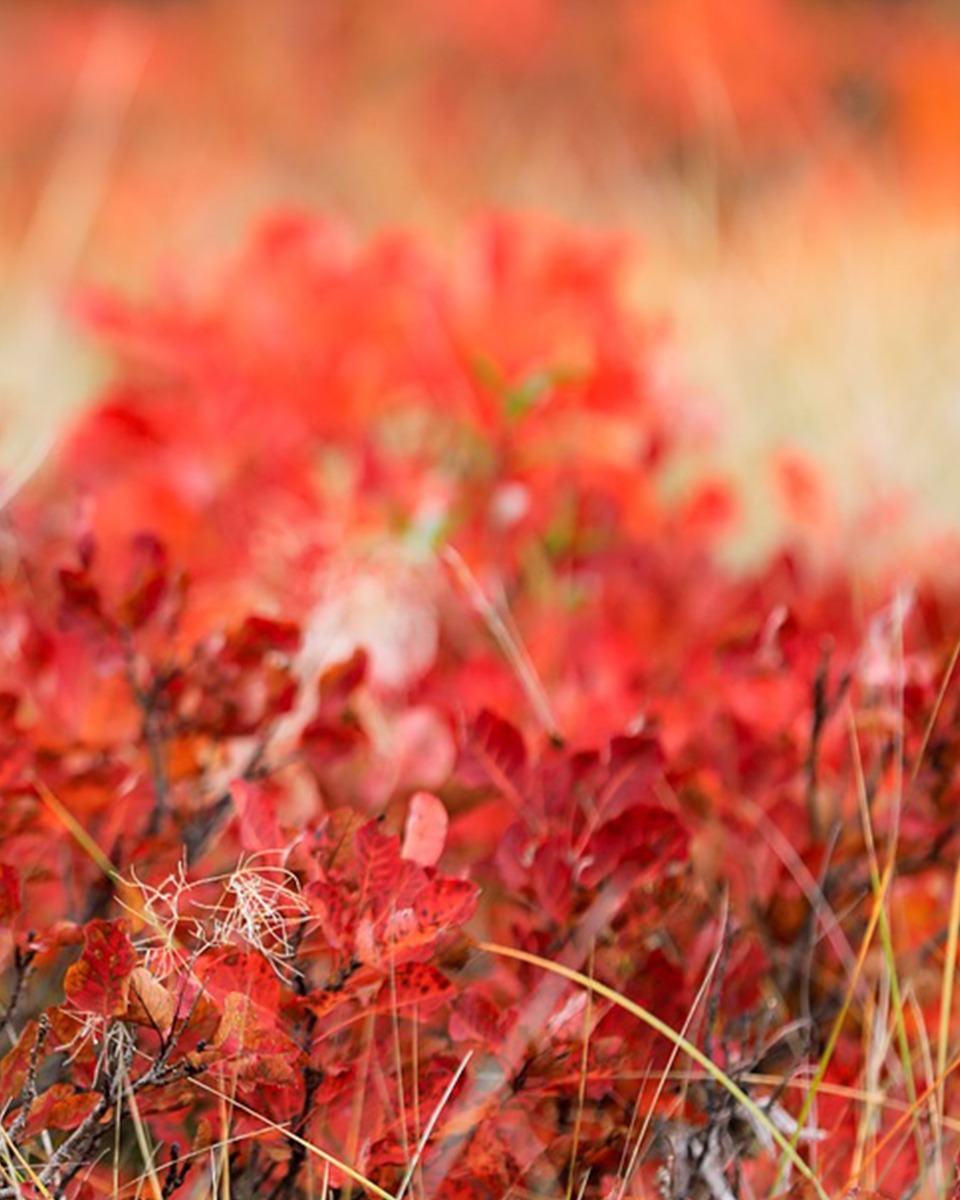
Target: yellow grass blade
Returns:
[946, 995]
[938, 704]
[11, 1150]
[141, 1134]
[414, 1164]
[582, 1086]
[886, 941]
[78, 833]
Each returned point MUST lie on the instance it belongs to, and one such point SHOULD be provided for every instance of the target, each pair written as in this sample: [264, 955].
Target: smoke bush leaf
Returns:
[99, 982]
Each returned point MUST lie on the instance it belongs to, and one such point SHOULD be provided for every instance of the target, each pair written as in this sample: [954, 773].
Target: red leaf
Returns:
[494, 756]
[426, 830]
[331, 908]
[445, 903]
[475, 1019]
[334, 1082]
[100, 981]
[384, 875]
[414, 983]
[257, 1052]
[322, 1003]
[340, 680]
[60, 1107]
[648, 837]
[402, 916]
[552, 877]
[256, 808]
[81, 597]
[149, 581]
[632, 766]
[259, 636]
[422, 751]
[10, 894]
[464, 1188]
[377, 854]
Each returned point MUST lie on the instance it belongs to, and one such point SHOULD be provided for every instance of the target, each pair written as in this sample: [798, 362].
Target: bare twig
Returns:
[28, 1092]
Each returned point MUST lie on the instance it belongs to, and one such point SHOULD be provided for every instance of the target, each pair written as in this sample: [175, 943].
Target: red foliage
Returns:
[355, 627]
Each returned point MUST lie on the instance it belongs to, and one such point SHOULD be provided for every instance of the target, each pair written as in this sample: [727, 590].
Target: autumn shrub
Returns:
[354, 634]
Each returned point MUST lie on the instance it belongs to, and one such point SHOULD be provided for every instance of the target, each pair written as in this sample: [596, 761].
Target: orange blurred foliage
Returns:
[426, 109]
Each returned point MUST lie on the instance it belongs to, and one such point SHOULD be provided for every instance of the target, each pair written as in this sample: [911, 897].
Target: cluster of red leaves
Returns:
[353, 627]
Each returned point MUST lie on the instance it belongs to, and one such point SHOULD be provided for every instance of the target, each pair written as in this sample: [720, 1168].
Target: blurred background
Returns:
[791, 169]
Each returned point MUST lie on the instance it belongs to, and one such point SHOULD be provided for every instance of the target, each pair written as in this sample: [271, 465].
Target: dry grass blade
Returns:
[79, 834]
[858, 1094]
[134, 901]
[582, 1085]
[781, 846]
[398, 1062]
[881, 887]
[431, 1125]
[874, 1051]
[930, 1071]
[946, 993]
[510, 643]
[142, 1142]
[10, 1177]
[953, 925]
[360, 1090]
[886, 938]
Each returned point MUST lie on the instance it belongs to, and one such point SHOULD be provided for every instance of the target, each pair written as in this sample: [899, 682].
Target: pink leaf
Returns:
[426, 830]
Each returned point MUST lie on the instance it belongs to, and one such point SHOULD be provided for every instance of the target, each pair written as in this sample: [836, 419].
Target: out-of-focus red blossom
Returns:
[362, 620]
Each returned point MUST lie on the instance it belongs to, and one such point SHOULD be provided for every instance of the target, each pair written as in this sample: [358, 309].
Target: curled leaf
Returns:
[150, 1003]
